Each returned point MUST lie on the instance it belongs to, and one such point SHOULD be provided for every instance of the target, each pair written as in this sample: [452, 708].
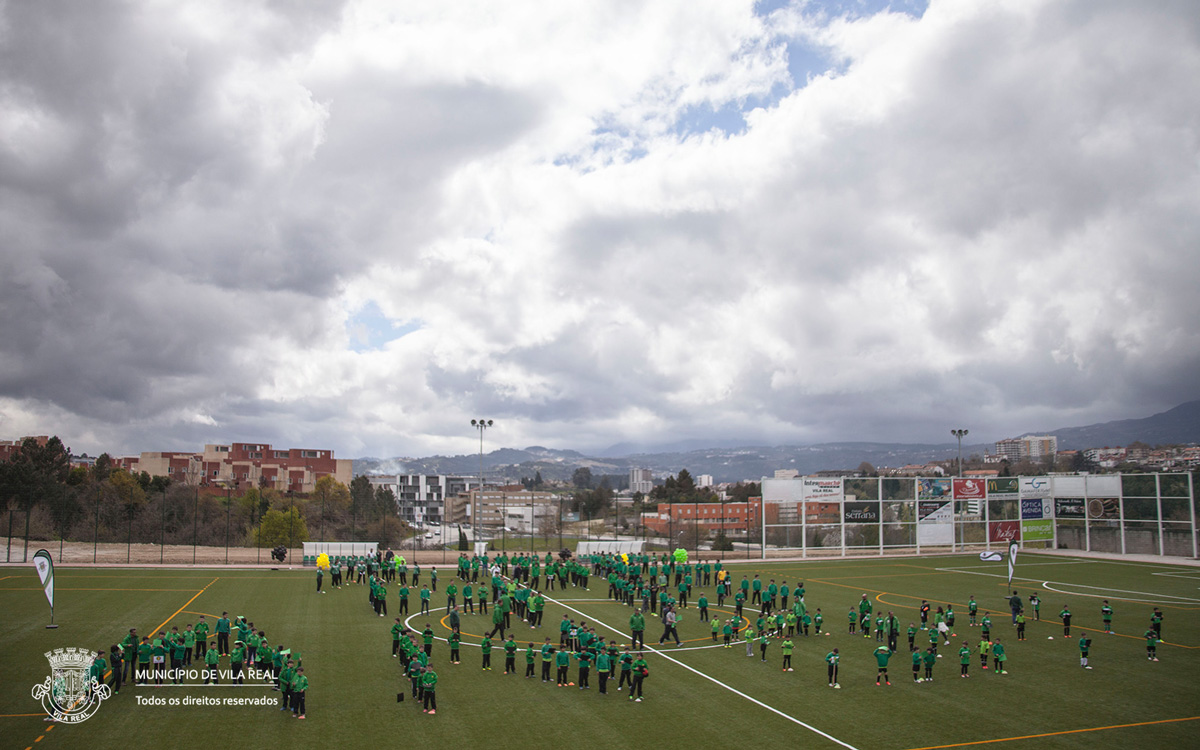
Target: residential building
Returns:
[494, 507]
[732, 517]
[247, 464]
[786, 474]
[421, 499]
[704, 480]
[1106, 457]
[641, 480]
[1028, 448]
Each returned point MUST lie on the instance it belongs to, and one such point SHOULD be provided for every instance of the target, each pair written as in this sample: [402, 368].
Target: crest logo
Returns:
[70, 694]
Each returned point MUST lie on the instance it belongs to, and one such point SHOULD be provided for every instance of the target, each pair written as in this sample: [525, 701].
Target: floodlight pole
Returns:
[960, 434]
[481, 425]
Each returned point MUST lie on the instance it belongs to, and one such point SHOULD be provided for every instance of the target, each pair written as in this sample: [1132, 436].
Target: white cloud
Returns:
[986, 211]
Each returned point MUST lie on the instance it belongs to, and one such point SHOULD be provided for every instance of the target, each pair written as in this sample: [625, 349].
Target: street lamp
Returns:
[960, 434]
[481, 425]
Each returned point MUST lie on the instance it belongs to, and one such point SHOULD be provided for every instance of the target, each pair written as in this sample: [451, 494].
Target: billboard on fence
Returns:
[969, 489]
[1036, 507]
[935, 521]
[1036, 487]
[1069, 507]
[1004, 531]
[859, 512]
[822, 489]
[1037, 530]
[929, 489]
[1002, 488]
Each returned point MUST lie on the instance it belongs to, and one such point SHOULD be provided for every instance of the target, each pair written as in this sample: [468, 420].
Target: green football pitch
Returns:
[696, 695]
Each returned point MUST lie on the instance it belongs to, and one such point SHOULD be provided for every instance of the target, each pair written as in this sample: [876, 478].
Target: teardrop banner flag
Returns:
[1012, 560]
[45, 568]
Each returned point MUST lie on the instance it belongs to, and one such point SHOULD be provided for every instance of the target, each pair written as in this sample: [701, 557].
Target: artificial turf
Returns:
[695, 695]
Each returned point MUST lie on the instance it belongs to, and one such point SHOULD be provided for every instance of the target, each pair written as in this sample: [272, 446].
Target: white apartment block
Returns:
[641, 480]
[421, 498]
[1028, 448]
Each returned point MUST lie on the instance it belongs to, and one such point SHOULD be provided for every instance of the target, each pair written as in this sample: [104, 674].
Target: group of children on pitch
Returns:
[646, 580]
[145, 658]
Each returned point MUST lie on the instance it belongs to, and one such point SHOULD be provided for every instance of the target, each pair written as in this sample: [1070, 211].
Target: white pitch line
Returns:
[1180, 599]
[1024, 564]
[1115, 593]
[714, 680]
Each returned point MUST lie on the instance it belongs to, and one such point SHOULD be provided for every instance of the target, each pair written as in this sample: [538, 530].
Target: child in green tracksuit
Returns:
[299, 688]
[929, 659]
[964, 659]
[787, 647]
[985, 648]
[999, 658]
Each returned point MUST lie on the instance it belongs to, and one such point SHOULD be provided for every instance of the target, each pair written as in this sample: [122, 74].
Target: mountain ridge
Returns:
[751, 462]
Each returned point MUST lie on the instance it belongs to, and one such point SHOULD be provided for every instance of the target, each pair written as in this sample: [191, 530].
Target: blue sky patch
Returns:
[370, 329]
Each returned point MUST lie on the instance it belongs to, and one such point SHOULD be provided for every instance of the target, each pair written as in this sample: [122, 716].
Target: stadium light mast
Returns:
[960, 434]
[481, 425]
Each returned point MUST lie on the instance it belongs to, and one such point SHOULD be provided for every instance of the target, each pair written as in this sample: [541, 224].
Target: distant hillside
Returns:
[724, 464]
[751, 463]
[1178, 425]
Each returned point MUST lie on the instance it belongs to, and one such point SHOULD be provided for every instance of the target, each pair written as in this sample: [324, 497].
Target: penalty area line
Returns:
[713, 680]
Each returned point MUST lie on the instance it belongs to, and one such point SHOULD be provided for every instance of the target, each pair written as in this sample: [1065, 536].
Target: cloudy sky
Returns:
[360, 225]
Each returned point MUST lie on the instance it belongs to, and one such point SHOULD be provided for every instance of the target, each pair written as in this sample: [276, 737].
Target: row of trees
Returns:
[47, 499]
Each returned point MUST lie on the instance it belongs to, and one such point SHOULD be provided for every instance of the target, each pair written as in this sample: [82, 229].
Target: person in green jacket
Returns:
[641, 671]
[129, 646]
[497, 622]
[530, 659]
[429, 685]
[603, 667]
[286, 675]
[964, 659]
[882, 655]
[929, 658]
[787, 647]
[510, 656]
[999, 658]
[485, 648]
[144, 652]
[562, 662]
[637, 628]
[211, 665]
[299, 689]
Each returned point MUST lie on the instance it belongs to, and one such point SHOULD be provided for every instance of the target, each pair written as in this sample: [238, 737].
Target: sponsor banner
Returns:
[1036, 507]
[1039, 530]
[817, 489]
[1000, 487]
[928, 489]
[1035, 487]
[1107, 508]
[1004, 531]
[935, 511]
[935, 522]
[1068, 507]
[969, 489]
[858, 512]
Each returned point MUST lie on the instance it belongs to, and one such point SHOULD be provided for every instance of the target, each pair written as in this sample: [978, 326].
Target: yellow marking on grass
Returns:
[1055, 734]
[185, 605]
